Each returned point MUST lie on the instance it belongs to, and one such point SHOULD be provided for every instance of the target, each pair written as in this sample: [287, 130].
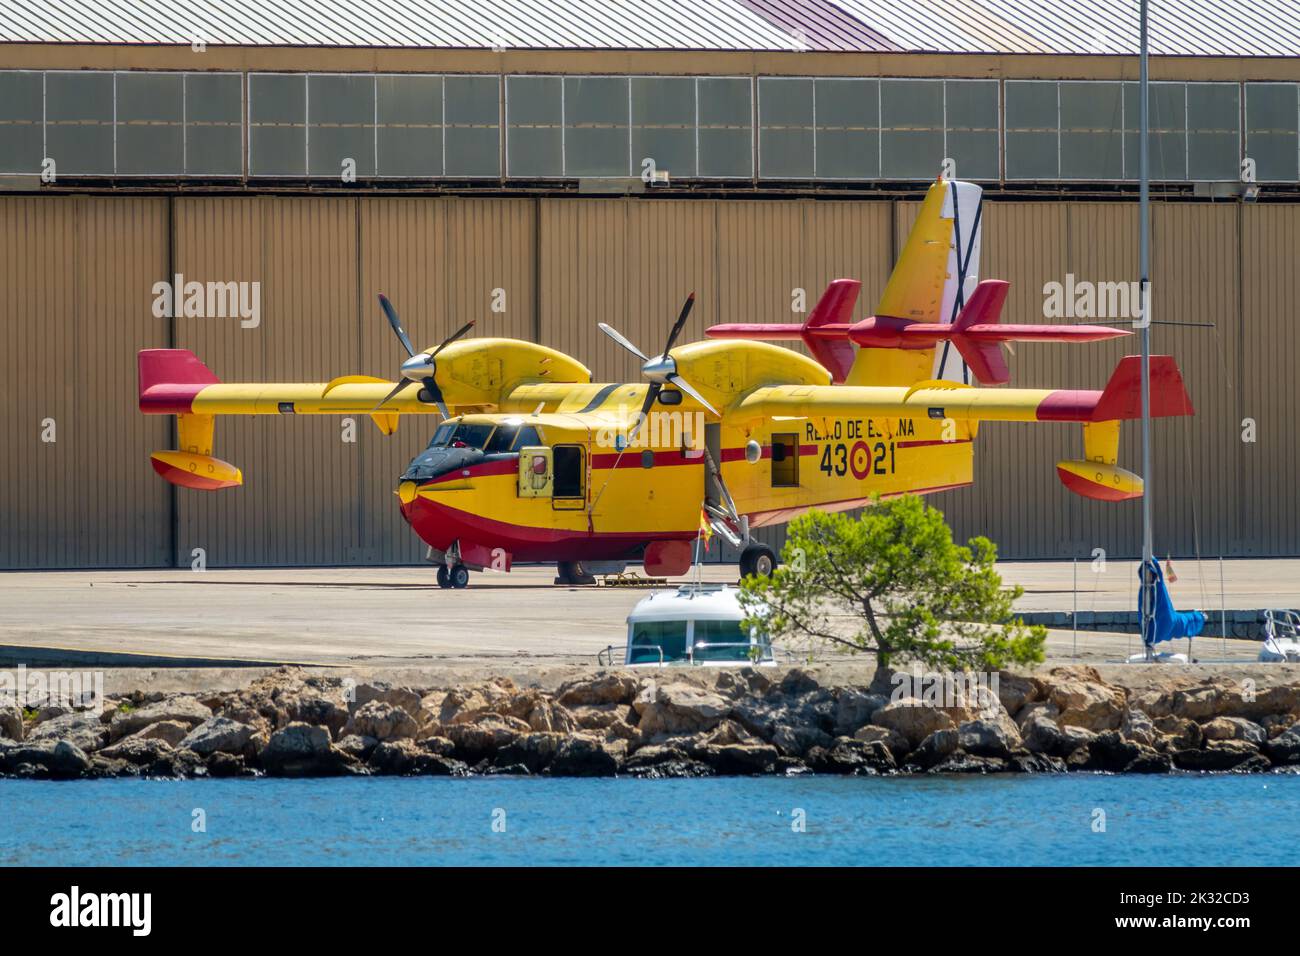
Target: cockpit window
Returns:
[527, 438]
[475, 436]
[443, 435]
[502, 439]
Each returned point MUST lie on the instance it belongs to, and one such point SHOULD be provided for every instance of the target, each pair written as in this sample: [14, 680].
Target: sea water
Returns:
[1080, 819]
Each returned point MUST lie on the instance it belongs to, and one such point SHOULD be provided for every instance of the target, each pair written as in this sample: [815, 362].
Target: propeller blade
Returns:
[689, 389]
[680, 323]
[391, 395]
[447, 341]
[651, 394]
[614, 334]
[435, 393]
[396, 323]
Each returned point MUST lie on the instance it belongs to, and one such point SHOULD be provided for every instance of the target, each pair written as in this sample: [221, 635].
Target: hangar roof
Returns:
[1178, 27]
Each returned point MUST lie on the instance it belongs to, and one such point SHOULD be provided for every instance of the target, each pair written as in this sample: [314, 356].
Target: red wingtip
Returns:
[169, 380]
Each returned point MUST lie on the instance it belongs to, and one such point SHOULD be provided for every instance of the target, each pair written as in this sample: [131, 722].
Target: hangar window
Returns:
[340, 124]
[1092, 144]
[150, 124]
[971, 124]
[911, 129]
[1168, 118]
[79, 122]
[473, 126]
[1213, 131]
[848, 128]
[596, 126]
[214, 124]
[408, 135]
[726, 124]
[535, 126]
[663, 124]
[277, 124]
[1032, 133]
[22, 130]
[785, 128]
[1273, 130]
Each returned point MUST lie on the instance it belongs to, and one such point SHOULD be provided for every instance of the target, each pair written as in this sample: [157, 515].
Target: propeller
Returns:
[419, 366]
[662, 369]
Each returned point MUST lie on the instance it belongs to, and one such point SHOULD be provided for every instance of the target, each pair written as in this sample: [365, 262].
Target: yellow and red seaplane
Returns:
[534, 462]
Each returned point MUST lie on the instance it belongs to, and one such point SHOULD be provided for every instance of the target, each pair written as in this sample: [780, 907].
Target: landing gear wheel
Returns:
[444, 576]
[758, 560]
[460, 576]
[572, 572]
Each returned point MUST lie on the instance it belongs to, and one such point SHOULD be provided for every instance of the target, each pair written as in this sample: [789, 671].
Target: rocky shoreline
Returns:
[661, 724]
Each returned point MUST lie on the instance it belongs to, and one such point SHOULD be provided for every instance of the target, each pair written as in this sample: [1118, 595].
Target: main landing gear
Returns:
[457, 577]
[573, 572]
[757, 559]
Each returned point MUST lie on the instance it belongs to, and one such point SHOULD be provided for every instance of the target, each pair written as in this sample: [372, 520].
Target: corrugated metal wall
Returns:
[77, 276]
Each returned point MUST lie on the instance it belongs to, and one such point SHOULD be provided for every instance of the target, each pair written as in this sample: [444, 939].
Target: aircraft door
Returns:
[536, 472]
[569, 487]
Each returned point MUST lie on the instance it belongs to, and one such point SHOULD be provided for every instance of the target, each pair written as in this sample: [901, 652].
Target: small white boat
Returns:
[1281, 637]
[1164, 657]
[694, 624]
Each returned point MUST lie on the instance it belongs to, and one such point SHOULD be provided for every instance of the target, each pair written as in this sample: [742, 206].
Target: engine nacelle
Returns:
[1099, 480]
[196, 471]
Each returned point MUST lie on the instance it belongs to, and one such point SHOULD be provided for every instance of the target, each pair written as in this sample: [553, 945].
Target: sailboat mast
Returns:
[1144, 267]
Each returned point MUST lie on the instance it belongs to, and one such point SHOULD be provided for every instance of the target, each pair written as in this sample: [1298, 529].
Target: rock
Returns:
[1035, 763]
[798, 682]
[218, 735]
[310, 707]
[357, 746]
[912, 719]
[442, 746]
[853, 710]
[1076, 737]
[384, 692]
[582, 756]
[1235, 728]
[80, 728]
[11, 720]
[534, 751]
[1149, 761]
[988, 738]
[172, 731]
[678, 708]
[747, 680]
[153, 757]
[184, 709]
[381, 720]
[1015, 691]
[1178, 733]
[304, 750]
[60, 759]
[1042, 735]
[607, 690]
[739, 759]
[660, 762]
[1038, 708]
[798, 740]
[222, 764]
[965, 763]
[1084, 700]
[600, 716]
[763, 716]
[404, 756]
[466, 704]
[1138, 727]
[483, 738]
[1284, 749]
[1219, 755]
[849, 756]
[934, 749]
[1111, 752]
[892, 739]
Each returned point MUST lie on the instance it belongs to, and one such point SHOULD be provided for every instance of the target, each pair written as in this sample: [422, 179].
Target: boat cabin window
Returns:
[721, 641]
[650, 637]
[474, 436]
[502, 439]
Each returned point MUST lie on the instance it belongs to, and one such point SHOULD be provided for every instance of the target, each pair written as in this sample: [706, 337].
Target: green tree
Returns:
[908, 588]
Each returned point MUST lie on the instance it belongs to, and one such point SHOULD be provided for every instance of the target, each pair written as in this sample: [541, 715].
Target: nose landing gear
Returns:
[757, 559]
[457, 577]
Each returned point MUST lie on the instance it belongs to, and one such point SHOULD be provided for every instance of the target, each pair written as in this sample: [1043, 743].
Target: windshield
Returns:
[474, 436]
[725, 641]
[442, 435]
[650, 637]
[502, 439]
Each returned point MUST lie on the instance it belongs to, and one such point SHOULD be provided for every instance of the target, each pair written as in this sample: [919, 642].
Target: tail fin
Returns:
[833, 309]
[169, 381]
[985, 308]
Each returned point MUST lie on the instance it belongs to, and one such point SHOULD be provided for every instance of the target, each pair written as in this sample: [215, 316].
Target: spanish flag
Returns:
[706, 529]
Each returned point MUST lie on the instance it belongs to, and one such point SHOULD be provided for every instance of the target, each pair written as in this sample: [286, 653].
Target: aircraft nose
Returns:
[417, 367]
[406, 492]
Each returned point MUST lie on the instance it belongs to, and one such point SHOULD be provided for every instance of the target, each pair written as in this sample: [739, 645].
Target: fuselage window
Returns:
[527, 438]
[502, 439]
[475, 436]
[568, 471]
[785, 460]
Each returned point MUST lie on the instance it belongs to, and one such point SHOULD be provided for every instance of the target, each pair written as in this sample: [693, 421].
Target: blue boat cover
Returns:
[1167, 622]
